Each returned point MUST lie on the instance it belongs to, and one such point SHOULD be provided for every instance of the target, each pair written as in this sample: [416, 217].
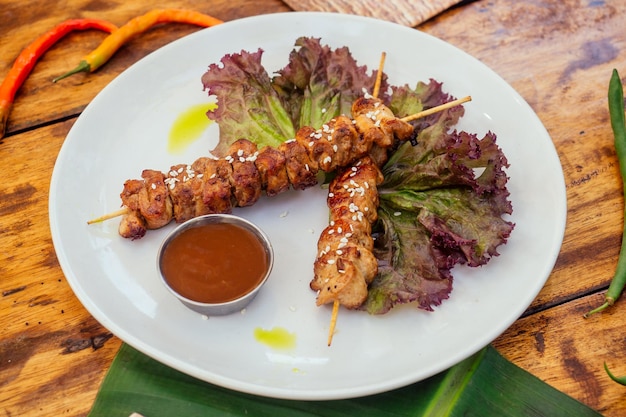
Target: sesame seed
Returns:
[397, 213]
[339, 230]
[213, 176]
[242, 159]
[153, 186]
[339, 252]
[240, 152]
[335, 148]
[311, 143]
[331, 261]
[331, 195]
[290, 141]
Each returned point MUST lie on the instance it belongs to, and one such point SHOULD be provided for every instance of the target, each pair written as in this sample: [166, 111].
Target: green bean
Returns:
[618, 124]
[619, 380]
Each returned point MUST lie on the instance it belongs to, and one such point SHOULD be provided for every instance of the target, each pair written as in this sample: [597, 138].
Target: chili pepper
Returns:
[619, 380]
[27, 59]
[618, 124]
[137, 25]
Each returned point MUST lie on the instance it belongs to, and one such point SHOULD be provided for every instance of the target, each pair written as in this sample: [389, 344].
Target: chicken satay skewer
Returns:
[375, 91]
[126, 210]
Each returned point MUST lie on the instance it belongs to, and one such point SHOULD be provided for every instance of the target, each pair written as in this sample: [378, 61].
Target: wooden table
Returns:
[558, 54]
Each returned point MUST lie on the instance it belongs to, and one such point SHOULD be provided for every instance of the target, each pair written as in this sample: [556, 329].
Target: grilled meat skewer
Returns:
[345, 264]
[217, 185]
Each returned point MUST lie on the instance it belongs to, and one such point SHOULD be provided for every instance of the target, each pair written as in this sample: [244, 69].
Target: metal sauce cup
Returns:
[227, 307]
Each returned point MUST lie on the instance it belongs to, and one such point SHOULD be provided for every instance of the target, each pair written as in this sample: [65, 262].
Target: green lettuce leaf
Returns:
[442, 200]
[247, 104]
[320, 83]
[441, 204]
[317, 84]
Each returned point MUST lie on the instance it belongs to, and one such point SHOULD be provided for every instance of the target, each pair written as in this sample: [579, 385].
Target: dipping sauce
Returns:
[214, 263]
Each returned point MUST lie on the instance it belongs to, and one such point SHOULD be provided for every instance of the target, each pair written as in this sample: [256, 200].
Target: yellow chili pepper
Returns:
[137, 25]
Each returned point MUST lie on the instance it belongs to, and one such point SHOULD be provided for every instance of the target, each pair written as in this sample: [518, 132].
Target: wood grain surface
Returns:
[558, 54]
[404, 12]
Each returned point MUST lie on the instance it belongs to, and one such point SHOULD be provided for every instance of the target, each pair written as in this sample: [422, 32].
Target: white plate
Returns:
[125, 129]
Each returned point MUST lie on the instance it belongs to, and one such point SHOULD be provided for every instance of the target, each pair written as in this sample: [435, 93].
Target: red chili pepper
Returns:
[115, 40]
[27, 59]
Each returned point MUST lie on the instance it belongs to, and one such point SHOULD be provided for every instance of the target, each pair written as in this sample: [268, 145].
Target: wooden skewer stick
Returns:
[108, 216]
[333, 321]
[379, 75]
[436, 109]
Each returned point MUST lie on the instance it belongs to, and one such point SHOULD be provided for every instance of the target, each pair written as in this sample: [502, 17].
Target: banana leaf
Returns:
[485, 384]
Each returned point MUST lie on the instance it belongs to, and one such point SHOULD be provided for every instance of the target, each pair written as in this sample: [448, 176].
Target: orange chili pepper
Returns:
[115, 40]
[27, 59]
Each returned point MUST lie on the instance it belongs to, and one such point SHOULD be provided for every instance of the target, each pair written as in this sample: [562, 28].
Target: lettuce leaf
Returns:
[320, 83]
[442, 201]
[441, 204]
[317, 84]
[247, 104]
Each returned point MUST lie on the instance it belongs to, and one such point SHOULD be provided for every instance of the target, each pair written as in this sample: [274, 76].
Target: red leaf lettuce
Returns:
[442, 201]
